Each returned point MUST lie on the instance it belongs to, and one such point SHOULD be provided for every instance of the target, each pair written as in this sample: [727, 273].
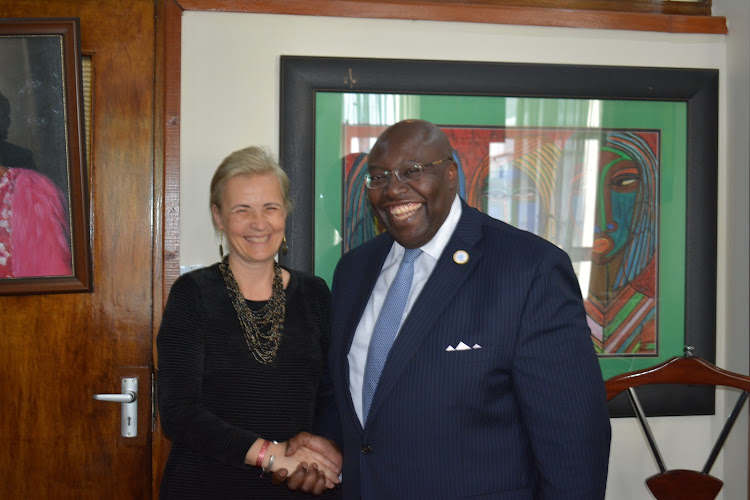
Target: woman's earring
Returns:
[284, 248]
[221, 244]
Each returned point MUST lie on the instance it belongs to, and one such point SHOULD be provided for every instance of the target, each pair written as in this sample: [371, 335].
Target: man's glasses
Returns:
[378, 180]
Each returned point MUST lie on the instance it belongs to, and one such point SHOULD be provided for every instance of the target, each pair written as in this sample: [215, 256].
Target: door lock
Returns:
[128, 399]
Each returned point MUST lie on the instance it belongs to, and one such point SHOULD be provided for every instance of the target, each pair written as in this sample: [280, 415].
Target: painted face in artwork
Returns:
[413, 211]
[513, 197]
[618, 186]
[253, 217]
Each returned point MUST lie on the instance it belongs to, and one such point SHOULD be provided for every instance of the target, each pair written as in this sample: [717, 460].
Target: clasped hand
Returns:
[314, 461]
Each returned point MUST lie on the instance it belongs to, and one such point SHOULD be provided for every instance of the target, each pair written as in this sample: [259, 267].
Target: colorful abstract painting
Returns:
[592, 192]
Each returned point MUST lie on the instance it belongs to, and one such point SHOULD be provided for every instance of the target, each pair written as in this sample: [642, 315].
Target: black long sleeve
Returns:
[215, 399]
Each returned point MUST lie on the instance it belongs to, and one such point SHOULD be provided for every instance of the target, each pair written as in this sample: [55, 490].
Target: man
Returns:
[491, 388]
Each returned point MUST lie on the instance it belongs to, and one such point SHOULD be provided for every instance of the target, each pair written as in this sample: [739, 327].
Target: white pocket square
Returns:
[462, 347]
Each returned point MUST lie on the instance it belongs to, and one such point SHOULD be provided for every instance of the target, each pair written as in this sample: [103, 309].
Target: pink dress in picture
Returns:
[33, 226]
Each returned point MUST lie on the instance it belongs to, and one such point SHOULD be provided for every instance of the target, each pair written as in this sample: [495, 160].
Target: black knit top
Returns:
[215, 399]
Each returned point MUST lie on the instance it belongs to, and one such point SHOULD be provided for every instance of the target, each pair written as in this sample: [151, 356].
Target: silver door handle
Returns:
[128, 399]
[116, 398]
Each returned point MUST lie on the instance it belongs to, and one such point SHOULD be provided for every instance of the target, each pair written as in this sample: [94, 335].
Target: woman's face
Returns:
[253, 217]
[619, 186]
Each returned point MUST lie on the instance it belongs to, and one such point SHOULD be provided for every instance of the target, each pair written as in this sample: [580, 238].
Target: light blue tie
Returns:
[386, 327]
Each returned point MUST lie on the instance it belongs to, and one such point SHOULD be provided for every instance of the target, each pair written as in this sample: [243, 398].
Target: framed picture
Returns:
[532, 141]
[44, 223]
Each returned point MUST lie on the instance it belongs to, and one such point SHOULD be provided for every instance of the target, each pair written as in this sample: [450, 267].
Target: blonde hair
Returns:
[250, 161]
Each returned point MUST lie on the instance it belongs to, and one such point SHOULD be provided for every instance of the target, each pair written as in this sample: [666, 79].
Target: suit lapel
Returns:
[446, 279]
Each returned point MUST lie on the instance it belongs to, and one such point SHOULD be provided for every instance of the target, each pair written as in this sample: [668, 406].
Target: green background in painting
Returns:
[668, 117]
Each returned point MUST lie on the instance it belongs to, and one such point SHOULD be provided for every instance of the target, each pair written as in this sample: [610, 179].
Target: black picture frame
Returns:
[42, 81]
[302, 77]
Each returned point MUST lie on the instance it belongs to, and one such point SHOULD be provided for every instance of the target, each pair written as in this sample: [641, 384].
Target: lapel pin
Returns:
[460, 257]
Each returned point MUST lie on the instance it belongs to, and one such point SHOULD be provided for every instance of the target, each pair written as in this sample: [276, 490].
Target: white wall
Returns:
[733, 295]
[230, 99]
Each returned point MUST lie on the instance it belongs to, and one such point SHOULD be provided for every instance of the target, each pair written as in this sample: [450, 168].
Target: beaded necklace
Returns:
[262, 328]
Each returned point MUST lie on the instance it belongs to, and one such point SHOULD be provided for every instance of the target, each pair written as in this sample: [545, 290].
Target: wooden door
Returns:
[57, 350]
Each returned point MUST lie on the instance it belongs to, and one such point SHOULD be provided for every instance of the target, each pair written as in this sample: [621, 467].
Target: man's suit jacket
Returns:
[519, 415]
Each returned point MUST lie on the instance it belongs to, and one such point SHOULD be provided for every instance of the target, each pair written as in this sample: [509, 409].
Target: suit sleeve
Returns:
[326, 416]
[559, 386]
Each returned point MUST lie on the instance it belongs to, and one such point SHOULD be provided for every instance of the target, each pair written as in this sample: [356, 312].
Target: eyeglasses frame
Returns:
[421, 167]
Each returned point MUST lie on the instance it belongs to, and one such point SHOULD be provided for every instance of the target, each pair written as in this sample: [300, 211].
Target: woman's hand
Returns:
[325, 460]
[310, 479]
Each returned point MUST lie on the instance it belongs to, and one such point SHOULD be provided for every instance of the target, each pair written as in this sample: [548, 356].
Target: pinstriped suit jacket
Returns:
[522, 417]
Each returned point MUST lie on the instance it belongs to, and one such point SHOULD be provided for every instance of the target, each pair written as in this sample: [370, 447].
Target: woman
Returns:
[242, 348]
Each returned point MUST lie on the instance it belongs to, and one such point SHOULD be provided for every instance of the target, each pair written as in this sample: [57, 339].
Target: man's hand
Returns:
[319, 444]
[304, 478]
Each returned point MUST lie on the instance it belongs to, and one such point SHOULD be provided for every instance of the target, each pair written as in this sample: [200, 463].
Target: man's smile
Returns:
[402, 212]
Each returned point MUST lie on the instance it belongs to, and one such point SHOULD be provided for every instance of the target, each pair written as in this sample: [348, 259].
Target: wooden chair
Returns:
[679, 483]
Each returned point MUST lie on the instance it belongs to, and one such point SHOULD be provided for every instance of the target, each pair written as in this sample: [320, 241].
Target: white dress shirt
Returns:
[423, 267]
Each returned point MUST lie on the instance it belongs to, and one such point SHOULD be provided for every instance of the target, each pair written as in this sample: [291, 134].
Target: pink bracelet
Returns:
[262, 453]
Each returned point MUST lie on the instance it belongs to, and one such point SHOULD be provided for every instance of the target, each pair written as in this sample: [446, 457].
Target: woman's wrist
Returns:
[260, 453]
[268, 454]
[261, 457]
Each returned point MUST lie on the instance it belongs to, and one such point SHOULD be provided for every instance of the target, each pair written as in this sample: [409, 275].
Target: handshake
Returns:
[307, 463]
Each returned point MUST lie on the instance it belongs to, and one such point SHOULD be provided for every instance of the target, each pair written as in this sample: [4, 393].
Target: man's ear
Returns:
[453, 175]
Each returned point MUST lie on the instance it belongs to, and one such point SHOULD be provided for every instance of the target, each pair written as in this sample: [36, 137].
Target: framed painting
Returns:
[571, 153]
[44, 224]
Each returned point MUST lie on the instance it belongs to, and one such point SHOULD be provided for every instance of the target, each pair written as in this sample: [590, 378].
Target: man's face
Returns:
[412, 212]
